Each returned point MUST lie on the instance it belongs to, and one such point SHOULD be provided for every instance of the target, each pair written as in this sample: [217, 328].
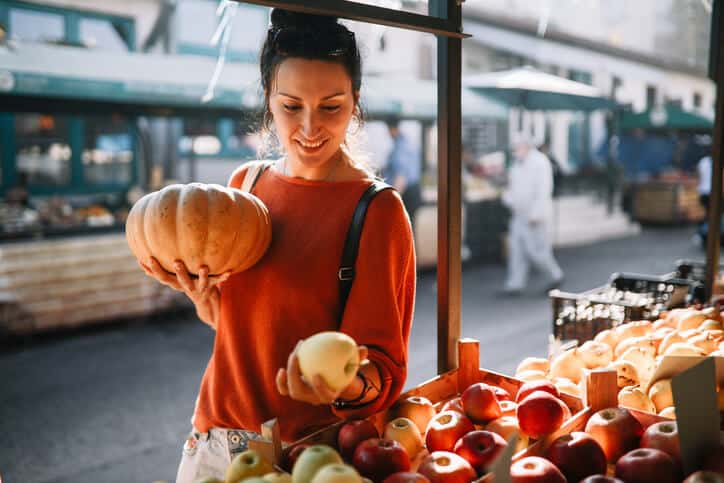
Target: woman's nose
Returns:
[310, 125]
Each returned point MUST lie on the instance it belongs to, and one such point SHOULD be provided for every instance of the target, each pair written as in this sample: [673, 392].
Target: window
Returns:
[102, 34]
[580, 76]
[650, 97]
[108, 151]
[697, 100]
[43, 150]
[35, 26]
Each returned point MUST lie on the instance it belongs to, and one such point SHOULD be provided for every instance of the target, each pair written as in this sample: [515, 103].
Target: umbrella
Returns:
[534, 90]
[670, 116]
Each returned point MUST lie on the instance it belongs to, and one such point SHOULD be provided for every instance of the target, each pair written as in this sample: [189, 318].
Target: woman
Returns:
[311, 77]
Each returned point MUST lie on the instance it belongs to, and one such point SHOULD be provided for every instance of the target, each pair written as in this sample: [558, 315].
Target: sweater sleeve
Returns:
[381, 302]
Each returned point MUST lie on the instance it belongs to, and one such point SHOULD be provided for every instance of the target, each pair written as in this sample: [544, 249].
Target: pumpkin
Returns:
[201, 224]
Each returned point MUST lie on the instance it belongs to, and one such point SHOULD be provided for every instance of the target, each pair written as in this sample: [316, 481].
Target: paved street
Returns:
[113, 404]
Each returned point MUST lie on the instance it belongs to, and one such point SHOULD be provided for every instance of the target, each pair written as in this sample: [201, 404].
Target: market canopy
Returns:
[670, 116]
[49, 77]
[533, 90]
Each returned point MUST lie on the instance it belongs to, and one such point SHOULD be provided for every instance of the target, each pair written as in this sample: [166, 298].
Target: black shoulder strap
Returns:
[351, 244]
[264, 165]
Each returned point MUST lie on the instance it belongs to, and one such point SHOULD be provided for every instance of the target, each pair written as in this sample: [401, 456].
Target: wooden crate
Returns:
[667, 203]
[439, 390]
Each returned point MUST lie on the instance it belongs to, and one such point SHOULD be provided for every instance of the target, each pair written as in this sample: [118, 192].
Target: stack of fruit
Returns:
[635, 350]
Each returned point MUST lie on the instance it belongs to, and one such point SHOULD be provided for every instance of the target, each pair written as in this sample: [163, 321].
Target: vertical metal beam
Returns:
[715, 198]
[449, 187]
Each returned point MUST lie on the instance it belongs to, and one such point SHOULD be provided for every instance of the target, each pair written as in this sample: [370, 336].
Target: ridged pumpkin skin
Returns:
[201, 224]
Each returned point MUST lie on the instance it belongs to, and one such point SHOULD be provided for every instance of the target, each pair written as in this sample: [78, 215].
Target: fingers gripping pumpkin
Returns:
[201, 224]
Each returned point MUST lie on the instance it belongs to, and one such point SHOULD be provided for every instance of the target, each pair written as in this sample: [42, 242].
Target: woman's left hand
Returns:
[290, 382]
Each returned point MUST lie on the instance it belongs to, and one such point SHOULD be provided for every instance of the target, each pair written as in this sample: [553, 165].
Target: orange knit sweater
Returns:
[293, 292]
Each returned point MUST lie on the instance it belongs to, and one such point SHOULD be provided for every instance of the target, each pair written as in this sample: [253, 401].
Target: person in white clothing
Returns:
[530, 199]
[704, 169]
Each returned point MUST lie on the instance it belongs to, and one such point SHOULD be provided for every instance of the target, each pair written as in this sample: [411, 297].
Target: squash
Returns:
[201, 224]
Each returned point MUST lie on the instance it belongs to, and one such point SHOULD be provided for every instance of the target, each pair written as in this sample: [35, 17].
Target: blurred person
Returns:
[703, 168]
[530, 198]
[311, 78]
[403, 170]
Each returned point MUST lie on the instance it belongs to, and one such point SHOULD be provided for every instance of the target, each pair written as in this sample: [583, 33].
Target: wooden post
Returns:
[468, 363]
[601, 389]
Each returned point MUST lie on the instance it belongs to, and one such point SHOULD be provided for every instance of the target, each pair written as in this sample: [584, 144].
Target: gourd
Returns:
[201, 224]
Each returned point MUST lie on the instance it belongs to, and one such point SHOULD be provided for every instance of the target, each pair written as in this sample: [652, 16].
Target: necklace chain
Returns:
[326, 178]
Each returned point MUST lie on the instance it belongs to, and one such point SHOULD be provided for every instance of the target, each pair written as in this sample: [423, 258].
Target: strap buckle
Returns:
[346, 273]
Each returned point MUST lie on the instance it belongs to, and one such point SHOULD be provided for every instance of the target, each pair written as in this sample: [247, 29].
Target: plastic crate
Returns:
[626, 297]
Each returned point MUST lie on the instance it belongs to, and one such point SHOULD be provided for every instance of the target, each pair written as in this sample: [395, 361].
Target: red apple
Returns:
[540, 413]
[616, 430]
[601, 479]
[377, 459]
[454, 404]
[353, 433]
[705, 477]
[646, 465]
[501, 394]
[508, 408]
[406, 477]
[534, 469]
[480, 403]
[445, 429]
[663, 436]
[533, 386]
[446, 467]
[577, 455]
[480, 448]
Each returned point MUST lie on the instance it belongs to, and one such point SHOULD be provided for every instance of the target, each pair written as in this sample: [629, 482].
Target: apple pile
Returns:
[634, 350]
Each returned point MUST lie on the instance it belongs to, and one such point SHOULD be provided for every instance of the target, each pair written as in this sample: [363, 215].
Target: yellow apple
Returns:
[337, 473]
[418, 409]
[608, 337]
[634, 397]
[670, 339]
[332, 355]
[246, 465]
[626, 373]
[531, 375]
[312, 460]
[596, 354]
[405, 432]
[683, 349]
[278, 478]
[643, 360]
[661, 395]
[569, 365]
[669, 412]
[533, 364]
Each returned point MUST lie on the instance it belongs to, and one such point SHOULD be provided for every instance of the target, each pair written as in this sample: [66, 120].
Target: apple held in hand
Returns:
[480, 403]
[332, 355]
[446, 467]
[577, 455]
[480, 448]
[616, 430]
[406, 477]
[646, 465]
[445, 429]
[540, 413]
[337, 473]
[416, 408]
[405, 432]
[534, 469]
[663, 436]
[312, 460]
[352, 433]
[246, 465]
[377, 459]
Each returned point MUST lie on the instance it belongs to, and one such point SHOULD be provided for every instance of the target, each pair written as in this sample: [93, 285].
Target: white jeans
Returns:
[209, 454]
[529, 243]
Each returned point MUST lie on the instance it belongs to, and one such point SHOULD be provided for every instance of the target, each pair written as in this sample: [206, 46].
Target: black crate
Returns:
[625, 298]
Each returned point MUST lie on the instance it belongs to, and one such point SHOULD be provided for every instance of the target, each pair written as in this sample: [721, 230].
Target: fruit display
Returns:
[635, 350]
[200, 224]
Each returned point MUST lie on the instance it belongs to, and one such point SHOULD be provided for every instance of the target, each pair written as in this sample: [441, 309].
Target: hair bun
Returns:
[281, 18]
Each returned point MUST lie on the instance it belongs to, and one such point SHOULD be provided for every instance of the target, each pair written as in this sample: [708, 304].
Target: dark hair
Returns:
[307, 36]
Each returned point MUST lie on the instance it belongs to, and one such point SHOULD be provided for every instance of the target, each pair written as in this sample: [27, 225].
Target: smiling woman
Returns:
[311, 75]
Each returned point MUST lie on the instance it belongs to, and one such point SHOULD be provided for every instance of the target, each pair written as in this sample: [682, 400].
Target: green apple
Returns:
[277, 478]
[405, 432]
[332, 355]
[247, 464]
[209, 479]
[254, 479]
[312, 460]
[337, 473]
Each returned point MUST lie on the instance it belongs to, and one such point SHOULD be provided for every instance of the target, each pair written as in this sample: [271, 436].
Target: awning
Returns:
[670, 116]
[48, 77]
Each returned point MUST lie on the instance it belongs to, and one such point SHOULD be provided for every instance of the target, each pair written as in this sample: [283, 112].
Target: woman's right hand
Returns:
[203, 291]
